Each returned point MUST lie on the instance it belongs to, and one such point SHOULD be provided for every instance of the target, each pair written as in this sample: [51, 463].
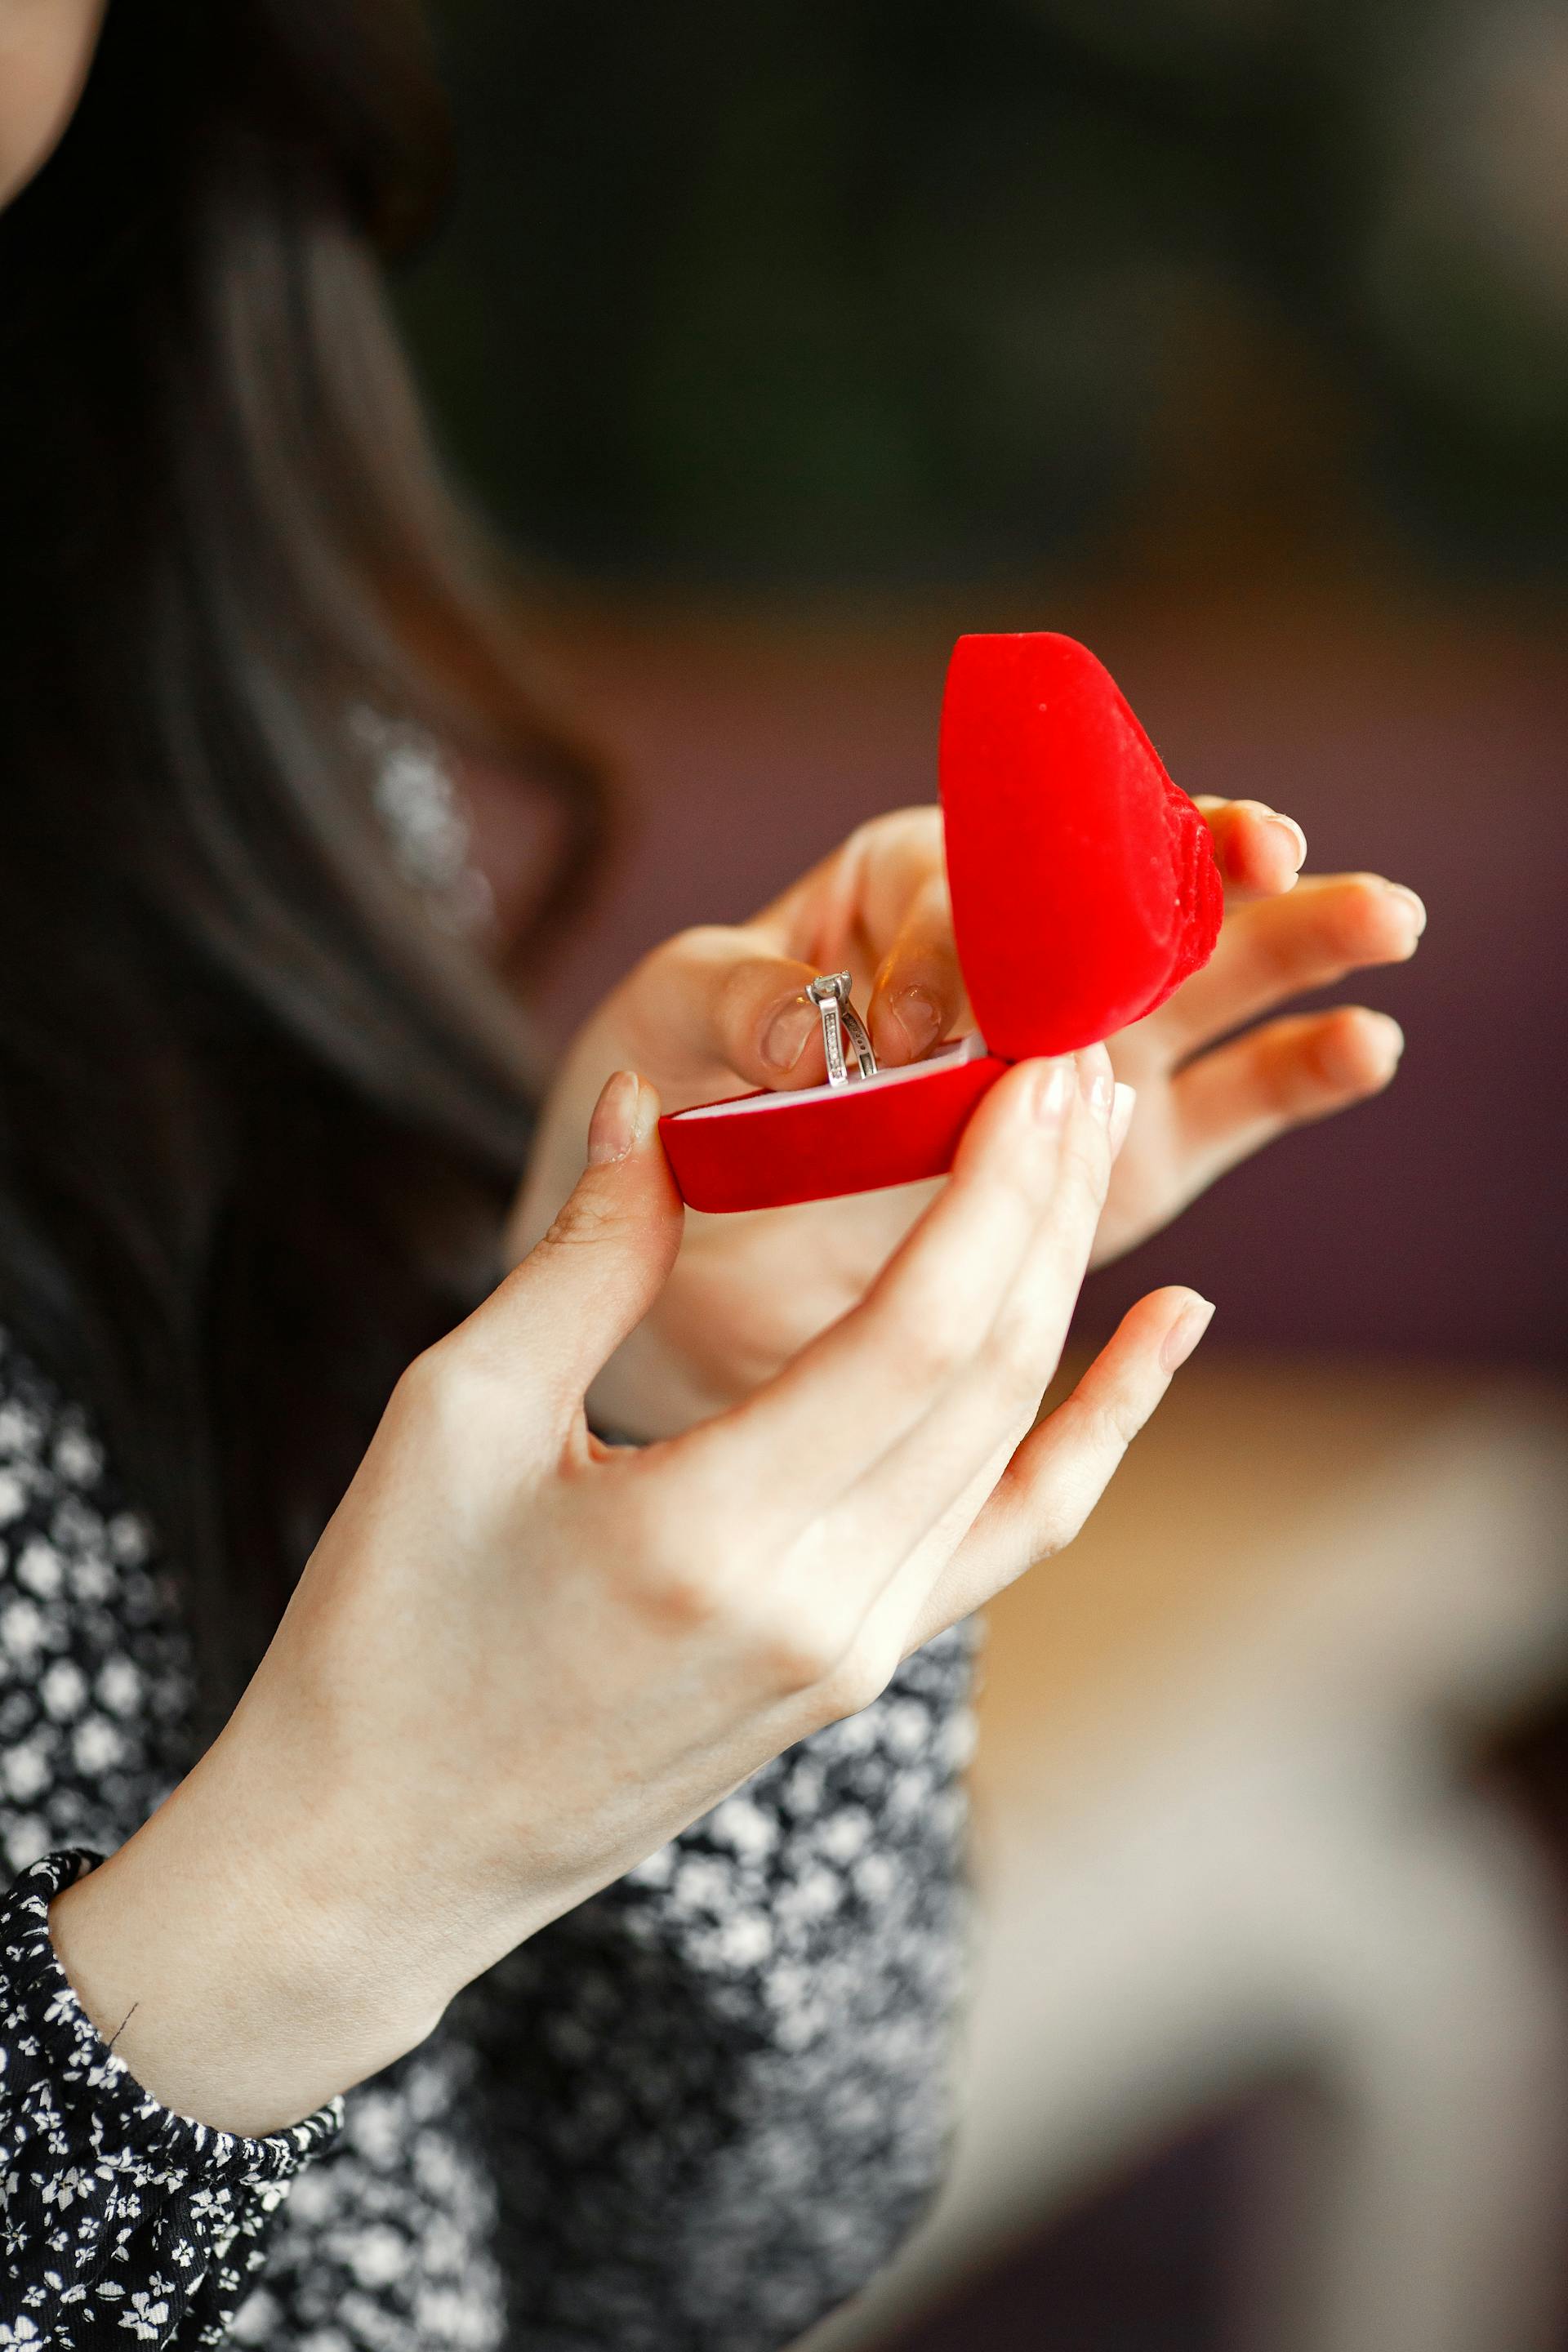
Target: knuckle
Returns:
[698, 943]
[686, 1579]
[1048, 1517]
[677, 1587]
[668, 1570]
[428, 1383]
[1343, 930]
[448, 1390]
[420, 1383]
[1113, 1421]
[1058, 1527]
[1337, 939]
[798, 1650]
[918, 826]
[684, 1556]
[1283, 1078]
[858, 1678]
[584, 1218]
[1280, 959]
[931, 910]
[650, 980]
[751, 976]
[869, 836]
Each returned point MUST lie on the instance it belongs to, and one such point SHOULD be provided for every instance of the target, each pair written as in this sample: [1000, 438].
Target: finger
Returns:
[965, 1440]
[1059, 1473]
[1056, 1264]
[568, 1306]
[719, 999]
[1231, 1102]
[881, 902]
[1255, 848]
[859, 1387]
[1332, 925]
[918, 997]
[850, 907]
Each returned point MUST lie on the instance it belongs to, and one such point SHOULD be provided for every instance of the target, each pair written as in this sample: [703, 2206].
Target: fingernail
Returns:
[1394, 1038]
[1293, 833]
[613, 1128]
[1343, 1053]
[918, 1015]
[1053, 1090]
[1097, 1081]
[1122, 1111]
[1184, 1334]
[789, 1032]
[1417, 910]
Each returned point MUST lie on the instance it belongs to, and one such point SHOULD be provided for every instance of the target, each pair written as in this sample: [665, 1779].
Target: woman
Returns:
[588, 1813]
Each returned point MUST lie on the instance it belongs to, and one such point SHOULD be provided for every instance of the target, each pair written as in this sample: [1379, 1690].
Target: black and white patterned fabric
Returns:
[695, 2115]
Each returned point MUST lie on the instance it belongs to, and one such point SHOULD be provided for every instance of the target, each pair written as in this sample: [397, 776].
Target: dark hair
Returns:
[259, 1114]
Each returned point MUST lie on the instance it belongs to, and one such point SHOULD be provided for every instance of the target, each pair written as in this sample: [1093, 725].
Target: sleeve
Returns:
[123, 2221]
[720, 2093]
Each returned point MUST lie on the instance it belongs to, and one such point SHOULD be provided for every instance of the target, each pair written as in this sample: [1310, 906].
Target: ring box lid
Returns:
[1084, 886]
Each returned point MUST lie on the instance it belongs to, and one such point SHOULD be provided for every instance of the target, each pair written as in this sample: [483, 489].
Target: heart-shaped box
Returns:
[1084, 890]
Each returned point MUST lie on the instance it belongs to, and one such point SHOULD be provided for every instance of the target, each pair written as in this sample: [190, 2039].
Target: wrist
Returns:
[236, 1993]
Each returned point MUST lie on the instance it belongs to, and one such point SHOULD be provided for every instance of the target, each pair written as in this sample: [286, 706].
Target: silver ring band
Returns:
[830, 995]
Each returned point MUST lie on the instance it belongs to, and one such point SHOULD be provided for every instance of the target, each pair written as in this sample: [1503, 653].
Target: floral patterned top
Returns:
[692, 2117]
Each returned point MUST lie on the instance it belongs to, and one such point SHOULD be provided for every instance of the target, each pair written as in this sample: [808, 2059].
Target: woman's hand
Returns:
[519, 1660]
[717, 1011]
[1205, 1104]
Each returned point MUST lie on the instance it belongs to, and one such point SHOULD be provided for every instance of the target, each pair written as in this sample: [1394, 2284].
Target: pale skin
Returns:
[519, 1659]
[46, 48]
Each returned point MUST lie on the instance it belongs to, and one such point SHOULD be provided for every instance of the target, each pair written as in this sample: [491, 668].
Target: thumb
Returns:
[588, 1283]
[718, 998]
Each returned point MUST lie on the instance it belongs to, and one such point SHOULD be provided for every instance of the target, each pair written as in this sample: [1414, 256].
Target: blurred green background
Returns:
[890, 291]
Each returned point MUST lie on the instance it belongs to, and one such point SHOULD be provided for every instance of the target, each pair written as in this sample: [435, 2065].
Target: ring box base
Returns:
[770, 1150]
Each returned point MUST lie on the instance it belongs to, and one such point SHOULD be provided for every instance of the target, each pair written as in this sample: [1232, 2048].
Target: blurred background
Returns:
[785, 343]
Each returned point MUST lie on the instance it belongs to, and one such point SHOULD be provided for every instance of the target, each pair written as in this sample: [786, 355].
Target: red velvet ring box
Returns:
[1084, 890]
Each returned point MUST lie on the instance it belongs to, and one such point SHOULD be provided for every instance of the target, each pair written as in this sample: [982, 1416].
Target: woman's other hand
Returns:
[715, 1010]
